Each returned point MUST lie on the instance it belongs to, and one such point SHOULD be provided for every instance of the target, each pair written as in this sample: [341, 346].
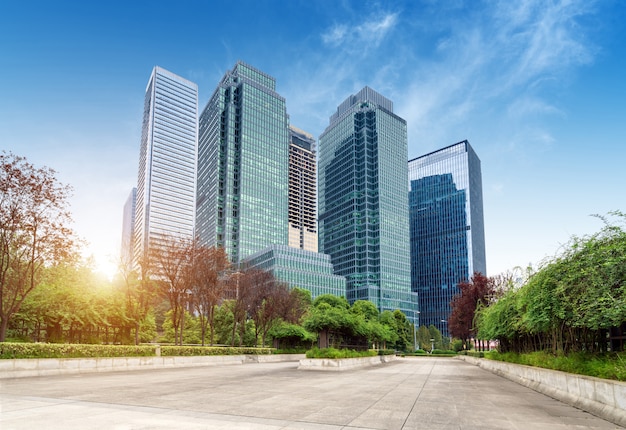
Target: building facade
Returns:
[299, 268]
[128, 229]
[243, 165]
[446, 227]
[166, 198]
[363, 210]
[302, 190]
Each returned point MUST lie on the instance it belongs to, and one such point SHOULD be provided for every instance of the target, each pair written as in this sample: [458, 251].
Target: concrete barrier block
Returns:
[604, 393]
[6, 365]
[573, 385]
[49, 364]
[586, 388]
[619, 390]
[71, 364]
[26, 364]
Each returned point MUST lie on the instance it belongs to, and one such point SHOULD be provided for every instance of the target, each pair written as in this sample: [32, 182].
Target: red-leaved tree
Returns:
[471, 296]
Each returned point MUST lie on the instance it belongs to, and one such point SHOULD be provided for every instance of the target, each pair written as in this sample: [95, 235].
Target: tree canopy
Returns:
[34, 230]
[575, 301]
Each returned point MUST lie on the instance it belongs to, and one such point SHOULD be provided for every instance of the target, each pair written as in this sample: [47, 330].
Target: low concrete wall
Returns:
[19, 368]
[340, 364]
[601, 397]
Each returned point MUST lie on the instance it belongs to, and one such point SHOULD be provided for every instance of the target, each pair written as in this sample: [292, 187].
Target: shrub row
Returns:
[188, 351]
[339, 353]
[10, 350]
[475, 354]
[66, 350]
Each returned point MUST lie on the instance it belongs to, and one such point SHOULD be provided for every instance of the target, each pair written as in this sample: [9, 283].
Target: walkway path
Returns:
[410, 393]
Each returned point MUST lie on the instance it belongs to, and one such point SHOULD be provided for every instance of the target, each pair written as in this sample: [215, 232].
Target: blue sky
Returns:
[537, 87]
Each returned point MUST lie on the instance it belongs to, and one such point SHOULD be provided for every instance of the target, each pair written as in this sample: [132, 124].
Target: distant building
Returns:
[447, 228]
[302, 190]
[128, 228]
[299, 268]
[363, 210]
[243, 165]
[166, 196]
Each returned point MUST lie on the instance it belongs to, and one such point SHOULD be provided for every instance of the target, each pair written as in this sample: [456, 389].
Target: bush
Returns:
[187, 351]
[339, 353]
[290, 351]
[443, 352]
[60, 350]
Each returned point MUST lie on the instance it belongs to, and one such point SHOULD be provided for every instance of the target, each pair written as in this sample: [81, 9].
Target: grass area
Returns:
[606, 366]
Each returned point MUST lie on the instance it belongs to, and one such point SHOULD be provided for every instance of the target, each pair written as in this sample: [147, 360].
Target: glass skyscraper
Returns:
[128, 228]
[243, 165]
[363, 209]
[447, 228]
[166, 191]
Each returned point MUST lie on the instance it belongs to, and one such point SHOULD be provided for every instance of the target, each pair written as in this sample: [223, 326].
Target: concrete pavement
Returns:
[409, 393]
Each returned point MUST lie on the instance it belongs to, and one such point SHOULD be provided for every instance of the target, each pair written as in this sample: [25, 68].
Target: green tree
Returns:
[331, 318]
[34, 230]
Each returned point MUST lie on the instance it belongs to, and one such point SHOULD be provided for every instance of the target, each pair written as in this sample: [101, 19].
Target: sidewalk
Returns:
[409, 393]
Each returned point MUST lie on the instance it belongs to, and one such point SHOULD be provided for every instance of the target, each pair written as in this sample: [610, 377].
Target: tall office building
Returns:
[243, 165]
[363, 210]
[128, 229]
[302, 190]
[166, 181]
[447, 227]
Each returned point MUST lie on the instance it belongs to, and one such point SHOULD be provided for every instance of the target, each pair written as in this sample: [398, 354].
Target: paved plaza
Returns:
[409, 393]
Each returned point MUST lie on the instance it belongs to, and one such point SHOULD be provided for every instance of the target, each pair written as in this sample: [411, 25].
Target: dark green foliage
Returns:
[188, 351]
[338, 353]
[570, 304]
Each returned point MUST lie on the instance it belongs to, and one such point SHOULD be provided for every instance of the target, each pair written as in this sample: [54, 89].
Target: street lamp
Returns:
[415, 345]
[432, 345]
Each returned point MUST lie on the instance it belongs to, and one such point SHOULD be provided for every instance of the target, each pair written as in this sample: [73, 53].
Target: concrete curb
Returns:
[341, 364]
[601, 397]
[26, 367]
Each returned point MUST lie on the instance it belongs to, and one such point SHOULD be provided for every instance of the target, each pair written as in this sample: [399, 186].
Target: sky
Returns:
[538, 88]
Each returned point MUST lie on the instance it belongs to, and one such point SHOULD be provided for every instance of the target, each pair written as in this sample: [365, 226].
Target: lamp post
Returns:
[445, 332]
[432, 345]
[415, 344]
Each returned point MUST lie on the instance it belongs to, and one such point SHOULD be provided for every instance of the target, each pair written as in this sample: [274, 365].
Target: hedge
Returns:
[69, 350]
[187, 351]
[9, 350]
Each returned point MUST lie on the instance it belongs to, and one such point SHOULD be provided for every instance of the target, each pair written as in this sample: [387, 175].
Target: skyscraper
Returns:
[167, 162]
[363, 209]
[302, 190]
[447, 227]
[243, 163]
[128, 229]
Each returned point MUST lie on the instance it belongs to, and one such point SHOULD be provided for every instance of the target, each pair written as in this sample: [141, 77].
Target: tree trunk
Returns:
[3, 329]
[137, 333]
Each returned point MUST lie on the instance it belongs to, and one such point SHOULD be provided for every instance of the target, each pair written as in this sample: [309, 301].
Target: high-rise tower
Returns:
[243, 162]
[447, 227]
[166, 199]
[363, 207]
[128, 229]
[302, 190]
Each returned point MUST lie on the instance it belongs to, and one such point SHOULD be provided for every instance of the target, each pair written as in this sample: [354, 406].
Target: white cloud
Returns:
[335, 35]
[360, 36]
